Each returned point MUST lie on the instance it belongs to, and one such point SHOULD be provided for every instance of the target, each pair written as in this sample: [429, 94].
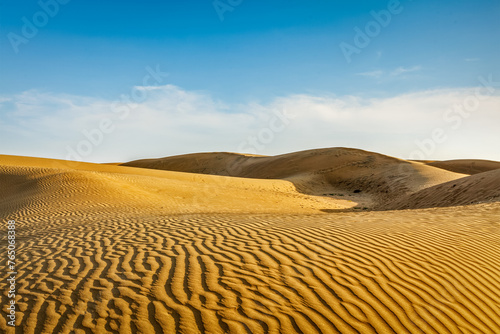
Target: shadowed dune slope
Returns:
[478, 188]
[318, 172]
[465, 166]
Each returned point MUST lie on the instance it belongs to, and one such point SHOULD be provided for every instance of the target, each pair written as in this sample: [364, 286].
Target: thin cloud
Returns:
[403, 70]
[172, 121]
[377, 74]
[373, 74]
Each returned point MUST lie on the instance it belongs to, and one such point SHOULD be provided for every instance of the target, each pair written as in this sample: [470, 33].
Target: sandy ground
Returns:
[107, 248]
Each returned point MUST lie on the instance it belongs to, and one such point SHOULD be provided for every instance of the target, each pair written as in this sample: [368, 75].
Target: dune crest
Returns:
[465, 166]
[373, 177]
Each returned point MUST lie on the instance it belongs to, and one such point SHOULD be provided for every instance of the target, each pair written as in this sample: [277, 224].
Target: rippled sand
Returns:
[114, 249]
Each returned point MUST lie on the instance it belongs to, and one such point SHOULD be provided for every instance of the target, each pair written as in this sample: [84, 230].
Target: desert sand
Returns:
[465, 166]
[322, 241]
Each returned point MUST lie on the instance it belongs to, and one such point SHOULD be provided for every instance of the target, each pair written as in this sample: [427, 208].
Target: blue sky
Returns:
[261, 53]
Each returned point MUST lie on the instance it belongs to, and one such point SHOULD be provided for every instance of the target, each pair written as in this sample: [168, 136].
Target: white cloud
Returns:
[394, 73]
[171, 121]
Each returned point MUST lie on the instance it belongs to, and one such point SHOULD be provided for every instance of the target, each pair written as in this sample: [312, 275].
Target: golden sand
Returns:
[106, 248]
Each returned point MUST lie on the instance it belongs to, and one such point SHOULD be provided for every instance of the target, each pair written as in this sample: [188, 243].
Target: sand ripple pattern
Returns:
[426, 271]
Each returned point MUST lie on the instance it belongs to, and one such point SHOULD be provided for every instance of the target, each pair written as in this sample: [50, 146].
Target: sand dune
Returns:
[465, 166]
[365, 177]
[114, 249]
[81, 183]
[478, 188]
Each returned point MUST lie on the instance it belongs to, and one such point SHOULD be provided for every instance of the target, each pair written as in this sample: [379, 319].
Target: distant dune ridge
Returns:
[466, 166]
[375, 178]
[322, 241]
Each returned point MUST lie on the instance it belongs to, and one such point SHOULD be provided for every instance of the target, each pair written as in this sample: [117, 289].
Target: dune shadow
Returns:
[338, 210]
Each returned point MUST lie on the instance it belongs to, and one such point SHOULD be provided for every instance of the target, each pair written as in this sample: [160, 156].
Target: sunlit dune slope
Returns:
[48, 181]
[465, 166]
[346, 171]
